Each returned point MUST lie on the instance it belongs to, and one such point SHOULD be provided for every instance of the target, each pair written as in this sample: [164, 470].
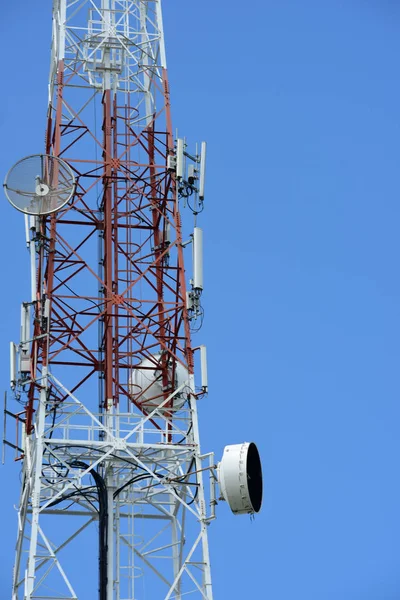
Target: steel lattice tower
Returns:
[105, 367]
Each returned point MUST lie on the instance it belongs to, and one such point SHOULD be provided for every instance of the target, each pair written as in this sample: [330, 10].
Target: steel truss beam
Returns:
[109, 292]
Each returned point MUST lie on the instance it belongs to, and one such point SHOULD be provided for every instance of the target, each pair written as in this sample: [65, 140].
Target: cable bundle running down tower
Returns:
[105, 365]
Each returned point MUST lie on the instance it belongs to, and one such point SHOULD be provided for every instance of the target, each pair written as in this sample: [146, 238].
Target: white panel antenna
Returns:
[202, 169]
[180, 161]
[203, 368]
[171, 163]
[13, 364]
[25, 364]
[33, 270]
[198, 258]
[191, 174]
[46, 312]
[25, 325]
[34, 224]
[27, 236]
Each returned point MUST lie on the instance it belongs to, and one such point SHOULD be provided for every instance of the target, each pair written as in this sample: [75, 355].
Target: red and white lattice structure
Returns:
[105, 367]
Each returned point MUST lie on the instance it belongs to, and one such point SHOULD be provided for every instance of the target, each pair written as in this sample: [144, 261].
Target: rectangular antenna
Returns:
[25, 326]
[197, 258]
[203, 366]
[33, 271]
[167, 233]
[24, 358]
[191, 174]
[202, 169]
[13, 364]
[179, 158]
[27, 236]
[46, 314]
[25, 363]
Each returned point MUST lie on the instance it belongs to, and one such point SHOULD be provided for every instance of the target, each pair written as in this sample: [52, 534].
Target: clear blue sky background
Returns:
[300, 105]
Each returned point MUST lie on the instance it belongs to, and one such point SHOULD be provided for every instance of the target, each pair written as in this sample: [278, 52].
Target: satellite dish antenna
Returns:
[39, 184]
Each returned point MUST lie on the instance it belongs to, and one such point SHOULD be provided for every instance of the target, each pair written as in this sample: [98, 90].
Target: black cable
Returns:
[74, 293]
[103, 526]
[150, 476]
[194, 497]
[196, 329]
[54, 409]
[192, 462]
[77, 492]
[133, 480]
[187, 433]
[103, 504]
[130, 462]
[185, 191]
[194, 211]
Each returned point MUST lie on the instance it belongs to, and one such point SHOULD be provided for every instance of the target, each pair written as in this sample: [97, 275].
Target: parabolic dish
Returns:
[39, 184]
[240, 478]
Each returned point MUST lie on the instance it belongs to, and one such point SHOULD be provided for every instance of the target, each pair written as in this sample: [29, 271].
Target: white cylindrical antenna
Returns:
[197, 258]
[203, 368]
[13, 364]
[202, 169]
[179, 158]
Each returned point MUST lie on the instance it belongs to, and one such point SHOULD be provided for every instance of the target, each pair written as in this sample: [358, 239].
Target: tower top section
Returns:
[110, 44]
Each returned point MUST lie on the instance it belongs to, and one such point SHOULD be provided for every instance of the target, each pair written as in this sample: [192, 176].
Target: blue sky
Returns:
[300, 105]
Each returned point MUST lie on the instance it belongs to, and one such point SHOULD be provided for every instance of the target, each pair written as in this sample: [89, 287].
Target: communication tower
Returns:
[108, 433]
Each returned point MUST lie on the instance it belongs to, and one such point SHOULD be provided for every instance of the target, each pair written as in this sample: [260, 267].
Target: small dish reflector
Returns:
[39, 184]
[240, 478]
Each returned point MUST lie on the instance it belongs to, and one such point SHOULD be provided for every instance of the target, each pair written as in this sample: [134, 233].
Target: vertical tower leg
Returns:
[35, 453]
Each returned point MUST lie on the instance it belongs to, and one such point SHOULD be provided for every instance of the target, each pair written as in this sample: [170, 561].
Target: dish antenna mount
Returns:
[39, 184]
